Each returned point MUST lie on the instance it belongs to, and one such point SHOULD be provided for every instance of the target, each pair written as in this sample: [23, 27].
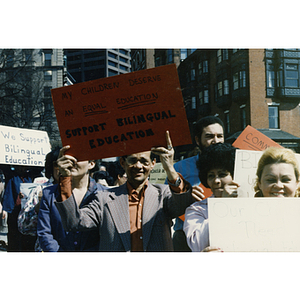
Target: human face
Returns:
[278, 180]
[211, 134]
[82, 168]
[216, 179]
[137, 167]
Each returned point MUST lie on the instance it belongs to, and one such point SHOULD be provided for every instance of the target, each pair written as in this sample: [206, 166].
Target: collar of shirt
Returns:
[133, 194]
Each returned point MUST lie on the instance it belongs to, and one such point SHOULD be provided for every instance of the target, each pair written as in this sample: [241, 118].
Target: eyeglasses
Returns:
[133, 160]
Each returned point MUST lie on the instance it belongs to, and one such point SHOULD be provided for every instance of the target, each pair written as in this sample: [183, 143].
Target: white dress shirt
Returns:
[196, 225]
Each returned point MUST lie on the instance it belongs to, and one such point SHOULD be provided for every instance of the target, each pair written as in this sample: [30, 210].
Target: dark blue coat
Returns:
[52, 237]
[12, 190]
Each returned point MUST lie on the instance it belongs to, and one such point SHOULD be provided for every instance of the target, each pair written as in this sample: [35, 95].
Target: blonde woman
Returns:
[277, 174]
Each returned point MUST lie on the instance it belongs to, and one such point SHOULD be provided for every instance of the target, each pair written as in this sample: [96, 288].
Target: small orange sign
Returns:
[122, 114]
[252, 139]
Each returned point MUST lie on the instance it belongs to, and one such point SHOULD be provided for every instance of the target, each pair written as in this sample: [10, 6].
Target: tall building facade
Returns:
[150, 58]
[26, 79]
[90, 64]
[142, 59]
[257, 87]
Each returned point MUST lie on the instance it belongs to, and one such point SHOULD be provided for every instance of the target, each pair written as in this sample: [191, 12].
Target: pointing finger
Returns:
[63, 150]
[169, 142]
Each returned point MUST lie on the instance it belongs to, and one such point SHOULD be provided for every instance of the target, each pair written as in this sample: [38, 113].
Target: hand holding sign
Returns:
[65, 162]
[230, 189]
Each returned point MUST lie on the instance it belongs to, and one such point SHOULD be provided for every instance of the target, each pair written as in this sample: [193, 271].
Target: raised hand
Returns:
[65, 162]
[166, 157]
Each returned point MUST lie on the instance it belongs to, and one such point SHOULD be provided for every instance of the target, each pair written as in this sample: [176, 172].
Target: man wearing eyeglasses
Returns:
[136, 216]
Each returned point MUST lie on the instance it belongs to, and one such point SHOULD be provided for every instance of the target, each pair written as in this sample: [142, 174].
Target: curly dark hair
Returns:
[216, 156]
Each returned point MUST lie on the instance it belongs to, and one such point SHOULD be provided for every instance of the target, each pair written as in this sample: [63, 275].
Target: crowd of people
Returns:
[112, 206]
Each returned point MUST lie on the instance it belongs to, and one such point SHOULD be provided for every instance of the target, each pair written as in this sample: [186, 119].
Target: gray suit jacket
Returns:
[109, 211]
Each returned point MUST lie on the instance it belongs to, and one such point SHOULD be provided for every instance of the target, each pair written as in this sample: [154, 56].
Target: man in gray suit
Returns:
[136, 216]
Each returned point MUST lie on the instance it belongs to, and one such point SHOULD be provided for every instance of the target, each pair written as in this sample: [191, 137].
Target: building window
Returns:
[193, 102]
[48, 59]
[112, 55]
[243, 117]
[193, 72]
[227, 121]
[220, 89]
[206, 97]
[291, 75]
[48, 75]
[200, 69]
[219, 55]
[125, 60]
[123, 51]
[170, 56]
[270, 76]
[225, 54]
[111, 63]
[242, 79]
[183, 54]
[205, 66]
[112, 73]
[239, 80]
[273, 117]
[201, 98]
[235, 81]
[226, 87]
[157, 62]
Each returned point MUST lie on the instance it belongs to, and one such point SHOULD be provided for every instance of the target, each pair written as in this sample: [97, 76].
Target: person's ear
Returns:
[197, 140]
[122, 162]
[153, 162]
[92, 164]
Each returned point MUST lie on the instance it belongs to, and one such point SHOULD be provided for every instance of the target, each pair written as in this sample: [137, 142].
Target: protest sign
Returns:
[254, 224]
[25, 147]
[26, 189]
[252, 139]
[245, 170]
[158, 174]
[122, 114]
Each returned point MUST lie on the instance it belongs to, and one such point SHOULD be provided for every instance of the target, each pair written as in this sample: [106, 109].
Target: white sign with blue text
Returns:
[20, 146]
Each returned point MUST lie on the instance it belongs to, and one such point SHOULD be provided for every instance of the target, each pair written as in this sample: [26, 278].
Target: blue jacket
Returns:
[12, 189]
[188, 169]
[52, 237]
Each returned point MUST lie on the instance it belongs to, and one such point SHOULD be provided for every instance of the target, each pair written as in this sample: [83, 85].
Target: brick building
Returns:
[257, 87]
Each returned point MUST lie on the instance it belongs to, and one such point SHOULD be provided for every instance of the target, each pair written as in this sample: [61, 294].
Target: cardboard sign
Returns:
[245, 170]
[252, 139]
[158, 174]
[26, 189]
[254, 224]
[23, 146]
[123, 114]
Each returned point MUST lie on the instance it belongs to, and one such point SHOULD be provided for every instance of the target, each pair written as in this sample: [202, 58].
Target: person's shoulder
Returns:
[50, 188]
[199, 205]
[159, 187]
[101, 187]
[186, 160]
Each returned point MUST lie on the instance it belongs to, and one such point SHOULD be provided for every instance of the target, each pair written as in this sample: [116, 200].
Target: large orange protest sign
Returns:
[122, 114]
[252, 139]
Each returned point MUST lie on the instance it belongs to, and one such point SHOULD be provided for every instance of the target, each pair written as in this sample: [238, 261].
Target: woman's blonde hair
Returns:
[274, 155]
